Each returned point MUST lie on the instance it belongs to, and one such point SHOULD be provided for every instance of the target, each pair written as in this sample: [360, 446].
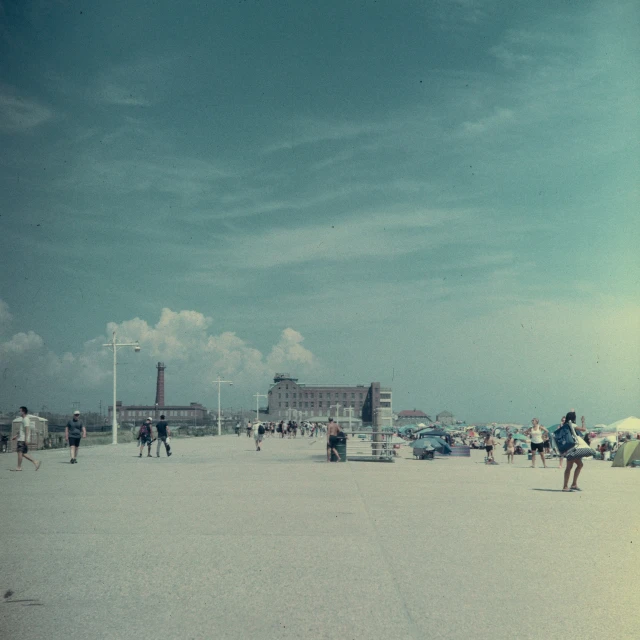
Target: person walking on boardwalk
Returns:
[22, 438]
[73, 433]
[332, 440]
[144, 435]
[162, 433]
[258, 434]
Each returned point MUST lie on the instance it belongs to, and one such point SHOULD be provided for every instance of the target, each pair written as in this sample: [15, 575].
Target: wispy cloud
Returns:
[310, 132]
[19, 113]
[111, 93]
[495, 121]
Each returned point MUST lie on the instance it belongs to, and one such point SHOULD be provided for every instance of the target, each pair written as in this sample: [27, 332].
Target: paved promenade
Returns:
[220, 541]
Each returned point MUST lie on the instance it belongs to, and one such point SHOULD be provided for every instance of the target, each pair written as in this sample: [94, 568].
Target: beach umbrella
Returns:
[437, 443]
[553, 428]
[433, 432]
[519, 436]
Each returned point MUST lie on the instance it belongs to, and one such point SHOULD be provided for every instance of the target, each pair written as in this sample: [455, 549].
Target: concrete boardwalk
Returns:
[220, 541]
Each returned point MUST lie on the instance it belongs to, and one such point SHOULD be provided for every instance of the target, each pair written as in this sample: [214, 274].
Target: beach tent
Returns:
[627, 453]
[630, 424]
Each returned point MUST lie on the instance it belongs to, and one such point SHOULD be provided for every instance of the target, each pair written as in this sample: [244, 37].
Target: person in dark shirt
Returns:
[73, 433]
[162, 433]
[144, 436]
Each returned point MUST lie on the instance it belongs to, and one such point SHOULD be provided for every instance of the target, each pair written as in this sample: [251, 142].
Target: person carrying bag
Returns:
[574, 453]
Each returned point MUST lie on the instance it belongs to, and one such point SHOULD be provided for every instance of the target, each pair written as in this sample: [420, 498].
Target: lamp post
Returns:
[336, 407]
[219, 382]
[257, 396]
[114, 345]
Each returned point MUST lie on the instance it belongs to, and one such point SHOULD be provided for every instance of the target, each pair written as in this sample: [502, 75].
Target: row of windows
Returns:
[311, 405]
[313, 395]
[172, 412]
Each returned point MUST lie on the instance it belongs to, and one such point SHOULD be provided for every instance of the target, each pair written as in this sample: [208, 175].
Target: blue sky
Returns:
[440, 196]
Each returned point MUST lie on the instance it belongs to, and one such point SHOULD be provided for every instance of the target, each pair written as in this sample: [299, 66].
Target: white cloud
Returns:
[496, 120]
[379, 233]
[5, 314]
[194, 356]
[21, 343]
[18, 113]
[112, 93]
[310, 132]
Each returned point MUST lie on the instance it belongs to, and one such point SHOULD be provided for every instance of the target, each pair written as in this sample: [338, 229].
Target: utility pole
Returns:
[257, 396]
[219, 382]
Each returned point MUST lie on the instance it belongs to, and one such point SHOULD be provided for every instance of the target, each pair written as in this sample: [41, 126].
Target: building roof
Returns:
[446, 414]
[415, 413]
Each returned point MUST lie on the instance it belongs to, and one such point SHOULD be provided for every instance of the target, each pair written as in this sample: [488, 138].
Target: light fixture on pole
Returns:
[219, 382]
[336, 407]
[114, 345]
[257, 396]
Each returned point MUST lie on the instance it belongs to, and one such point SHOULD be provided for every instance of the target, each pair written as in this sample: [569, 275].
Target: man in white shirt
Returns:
[258, 434]
[23, 437]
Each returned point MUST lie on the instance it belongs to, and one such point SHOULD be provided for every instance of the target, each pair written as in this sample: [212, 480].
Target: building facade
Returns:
[191, 414]
[289, 399]
[445, 417]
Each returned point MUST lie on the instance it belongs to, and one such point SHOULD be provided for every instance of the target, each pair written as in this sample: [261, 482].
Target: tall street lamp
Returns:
[219, 382]
[114, 345]
[257, 396]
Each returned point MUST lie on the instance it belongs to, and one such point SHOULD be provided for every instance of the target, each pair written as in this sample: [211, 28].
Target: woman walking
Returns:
[574, 460]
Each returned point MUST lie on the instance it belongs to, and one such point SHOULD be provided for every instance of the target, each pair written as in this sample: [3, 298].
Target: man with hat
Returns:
[144, 435]
[73, 433]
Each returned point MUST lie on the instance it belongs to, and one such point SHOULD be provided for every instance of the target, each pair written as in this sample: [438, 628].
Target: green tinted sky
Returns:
[442, 196]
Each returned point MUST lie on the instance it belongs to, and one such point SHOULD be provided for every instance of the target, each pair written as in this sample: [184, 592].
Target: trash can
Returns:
[341, 448]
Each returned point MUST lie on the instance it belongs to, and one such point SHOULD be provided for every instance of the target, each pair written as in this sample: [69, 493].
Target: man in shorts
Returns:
[162, 433]
[22, 438]
[144, 435]
[489, 444]
[332, 440]
[258, 434]
[73, 433]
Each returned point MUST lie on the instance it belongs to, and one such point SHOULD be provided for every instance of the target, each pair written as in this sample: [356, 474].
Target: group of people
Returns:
[284, 429]
[260, 430]
[74, 431]
[163, 436]
[541, 444]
